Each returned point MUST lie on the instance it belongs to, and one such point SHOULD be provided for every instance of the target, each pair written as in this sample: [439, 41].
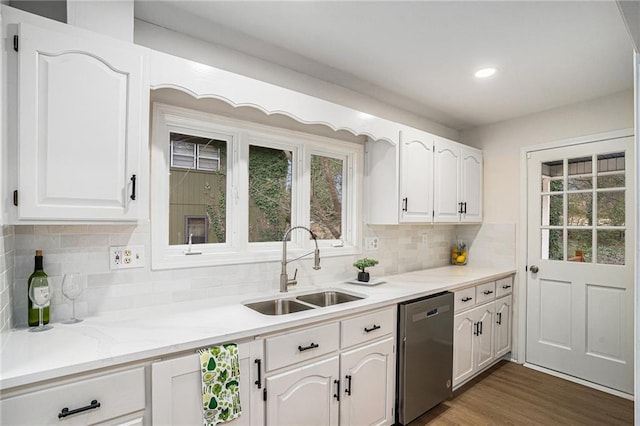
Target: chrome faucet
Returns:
[285, 282]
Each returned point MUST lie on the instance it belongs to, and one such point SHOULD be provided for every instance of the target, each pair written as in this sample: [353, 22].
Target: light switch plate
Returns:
[124, 257]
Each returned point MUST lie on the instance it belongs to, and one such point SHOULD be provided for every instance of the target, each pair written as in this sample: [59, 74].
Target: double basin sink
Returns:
[302, 303]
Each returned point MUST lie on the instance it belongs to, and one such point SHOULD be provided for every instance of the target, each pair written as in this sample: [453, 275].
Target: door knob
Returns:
[534, 269]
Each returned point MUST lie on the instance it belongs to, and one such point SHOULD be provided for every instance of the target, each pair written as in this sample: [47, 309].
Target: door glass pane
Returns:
[552, 176]
[197, 193]
[326, 196]
[551, 209]
[579, 245]
[611, 247]
[552, 244]
[580, 174]
[611, 169]
[611, 208]
[579, 209]
[270, 180]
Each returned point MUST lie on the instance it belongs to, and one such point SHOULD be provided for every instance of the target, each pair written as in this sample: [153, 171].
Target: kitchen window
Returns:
[247, 184]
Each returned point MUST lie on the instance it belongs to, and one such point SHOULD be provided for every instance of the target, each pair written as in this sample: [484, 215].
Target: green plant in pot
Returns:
[362, 264]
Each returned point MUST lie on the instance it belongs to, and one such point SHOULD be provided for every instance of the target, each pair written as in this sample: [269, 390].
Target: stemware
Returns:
[40, 295]
[72, 287]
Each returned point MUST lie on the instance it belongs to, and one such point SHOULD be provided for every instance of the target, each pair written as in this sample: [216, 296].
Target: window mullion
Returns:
[240, 193]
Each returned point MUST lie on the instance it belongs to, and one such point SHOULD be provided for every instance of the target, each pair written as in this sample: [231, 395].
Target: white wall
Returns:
[502, 144]
[222, 57]
[6, 280]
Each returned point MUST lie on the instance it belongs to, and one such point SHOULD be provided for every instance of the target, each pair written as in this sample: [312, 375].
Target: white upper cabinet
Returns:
[416, 177]
[457, 182]
[81, 127]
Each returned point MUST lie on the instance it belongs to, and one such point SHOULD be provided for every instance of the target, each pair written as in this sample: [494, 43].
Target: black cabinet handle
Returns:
[506, 286]
[466, 299]
[133, 187]
[306, 348]
[477, 328]
[347, 390]
[374, 328]
[66, 412]
[405, 204]
[487, 292]
[499, 322]
[460, 208]
[465, 207]
[258, 382]
[480, 327]
[337, 394]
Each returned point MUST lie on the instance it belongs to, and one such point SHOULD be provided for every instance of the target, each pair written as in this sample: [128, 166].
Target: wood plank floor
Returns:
[510, 394]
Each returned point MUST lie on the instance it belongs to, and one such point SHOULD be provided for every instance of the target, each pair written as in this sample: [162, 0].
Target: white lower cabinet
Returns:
[335, 373]
[502, 333]
[307, 395]
[176, 388]
[368, 377]
[111, 399]
[481, 328]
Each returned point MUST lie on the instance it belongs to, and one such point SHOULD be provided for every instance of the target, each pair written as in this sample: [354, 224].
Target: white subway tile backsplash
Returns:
[84, 248]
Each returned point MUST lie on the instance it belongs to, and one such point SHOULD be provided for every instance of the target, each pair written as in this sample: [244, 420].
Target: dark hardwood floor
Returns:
[510, 394]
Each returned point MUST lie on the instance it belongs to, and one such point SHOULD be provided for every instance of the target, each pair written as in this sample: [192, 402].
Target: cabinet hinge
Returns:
[264, 394]
[15, 43]
[15, 197]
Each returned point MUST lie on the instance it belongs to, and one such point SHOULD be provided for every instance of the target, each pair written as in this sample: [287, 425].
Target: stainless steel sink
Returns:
[328, 298]
[278, 306]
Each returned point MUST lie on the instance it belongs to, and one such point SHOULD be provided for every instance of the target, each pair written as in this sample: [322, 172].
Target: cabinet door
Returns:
[416, 178]
[463, 346]
[471, 185]
[83, 106]
[306, 395]
[177, 389]
[446, 175]
[483, 348]
[502, 331]
[368, 386]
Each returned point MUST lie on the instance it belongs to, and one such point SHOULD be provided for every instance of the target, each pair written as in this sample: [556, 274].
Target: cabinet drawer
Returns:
[301, 345]
[367, 327]
[465, 298]
[504, 286]
[485, 292]
[118, 394]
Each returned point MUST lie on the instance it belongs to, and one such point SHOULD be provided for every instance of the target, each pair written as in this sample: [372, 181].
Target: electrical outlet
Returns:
[122, 257]
[371, 243]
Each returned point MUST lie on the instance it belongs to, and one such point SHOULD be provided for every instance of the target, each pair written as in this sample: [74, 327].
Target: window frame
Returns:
[240, 135]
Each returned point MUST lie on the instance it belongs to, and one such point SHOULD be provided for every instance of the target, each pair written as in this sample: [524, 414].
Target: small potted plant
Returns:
[363, 263]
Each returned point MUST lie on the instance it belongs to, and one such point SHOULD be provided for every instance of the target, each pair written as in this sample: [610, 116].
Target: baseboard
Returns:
[580, 381]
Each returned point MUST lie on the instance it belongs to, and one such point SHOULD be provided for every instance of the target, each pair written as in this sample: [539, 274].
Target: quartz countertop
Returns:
[146, 334]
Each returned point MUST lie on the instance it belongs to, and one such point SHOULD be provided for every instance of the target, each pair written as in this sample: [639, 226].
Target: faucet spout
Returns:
[285, 282]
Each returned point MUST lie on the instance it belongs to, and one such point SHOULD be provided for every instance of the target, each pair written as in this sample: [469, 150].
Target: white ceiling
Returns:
[421, 55]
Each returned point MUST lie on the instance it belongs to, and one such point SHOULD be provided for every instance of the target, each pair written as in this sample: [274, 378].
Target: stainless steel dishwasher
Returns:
[425, 358]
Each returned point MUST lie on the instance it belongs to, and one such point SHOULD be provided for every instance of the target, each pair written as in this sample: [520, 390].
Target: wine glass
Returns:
[72, 286]
[40, 295]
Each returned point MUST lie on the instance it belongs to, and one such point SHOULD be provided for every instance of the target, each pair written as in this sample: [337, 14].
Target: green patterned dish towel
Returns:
[220, 383]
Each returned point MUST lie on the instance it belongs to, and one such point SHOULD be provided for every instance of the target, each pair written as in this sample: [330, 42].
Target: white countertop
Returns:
[144, 334]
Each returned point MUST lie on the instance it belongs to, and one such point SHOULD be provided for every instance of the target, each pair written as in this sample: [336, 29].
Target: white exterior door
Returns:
[82, 109]
[177, 389]
[306, 395]
[368, 377]
[416, 178]
[580, 257]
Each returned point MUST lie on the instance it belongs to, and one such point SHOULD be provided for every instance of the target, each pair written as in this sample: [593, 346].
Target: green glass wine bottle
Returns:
[38, 271]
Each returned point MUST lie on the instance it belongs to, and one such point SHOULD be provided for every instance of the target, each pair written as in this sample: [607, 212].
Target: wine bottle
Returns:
[38, 271]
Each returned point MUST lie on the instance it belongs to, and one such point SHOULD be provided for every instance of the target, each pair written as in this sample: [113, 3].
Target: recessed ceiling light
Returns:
[485, 72]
